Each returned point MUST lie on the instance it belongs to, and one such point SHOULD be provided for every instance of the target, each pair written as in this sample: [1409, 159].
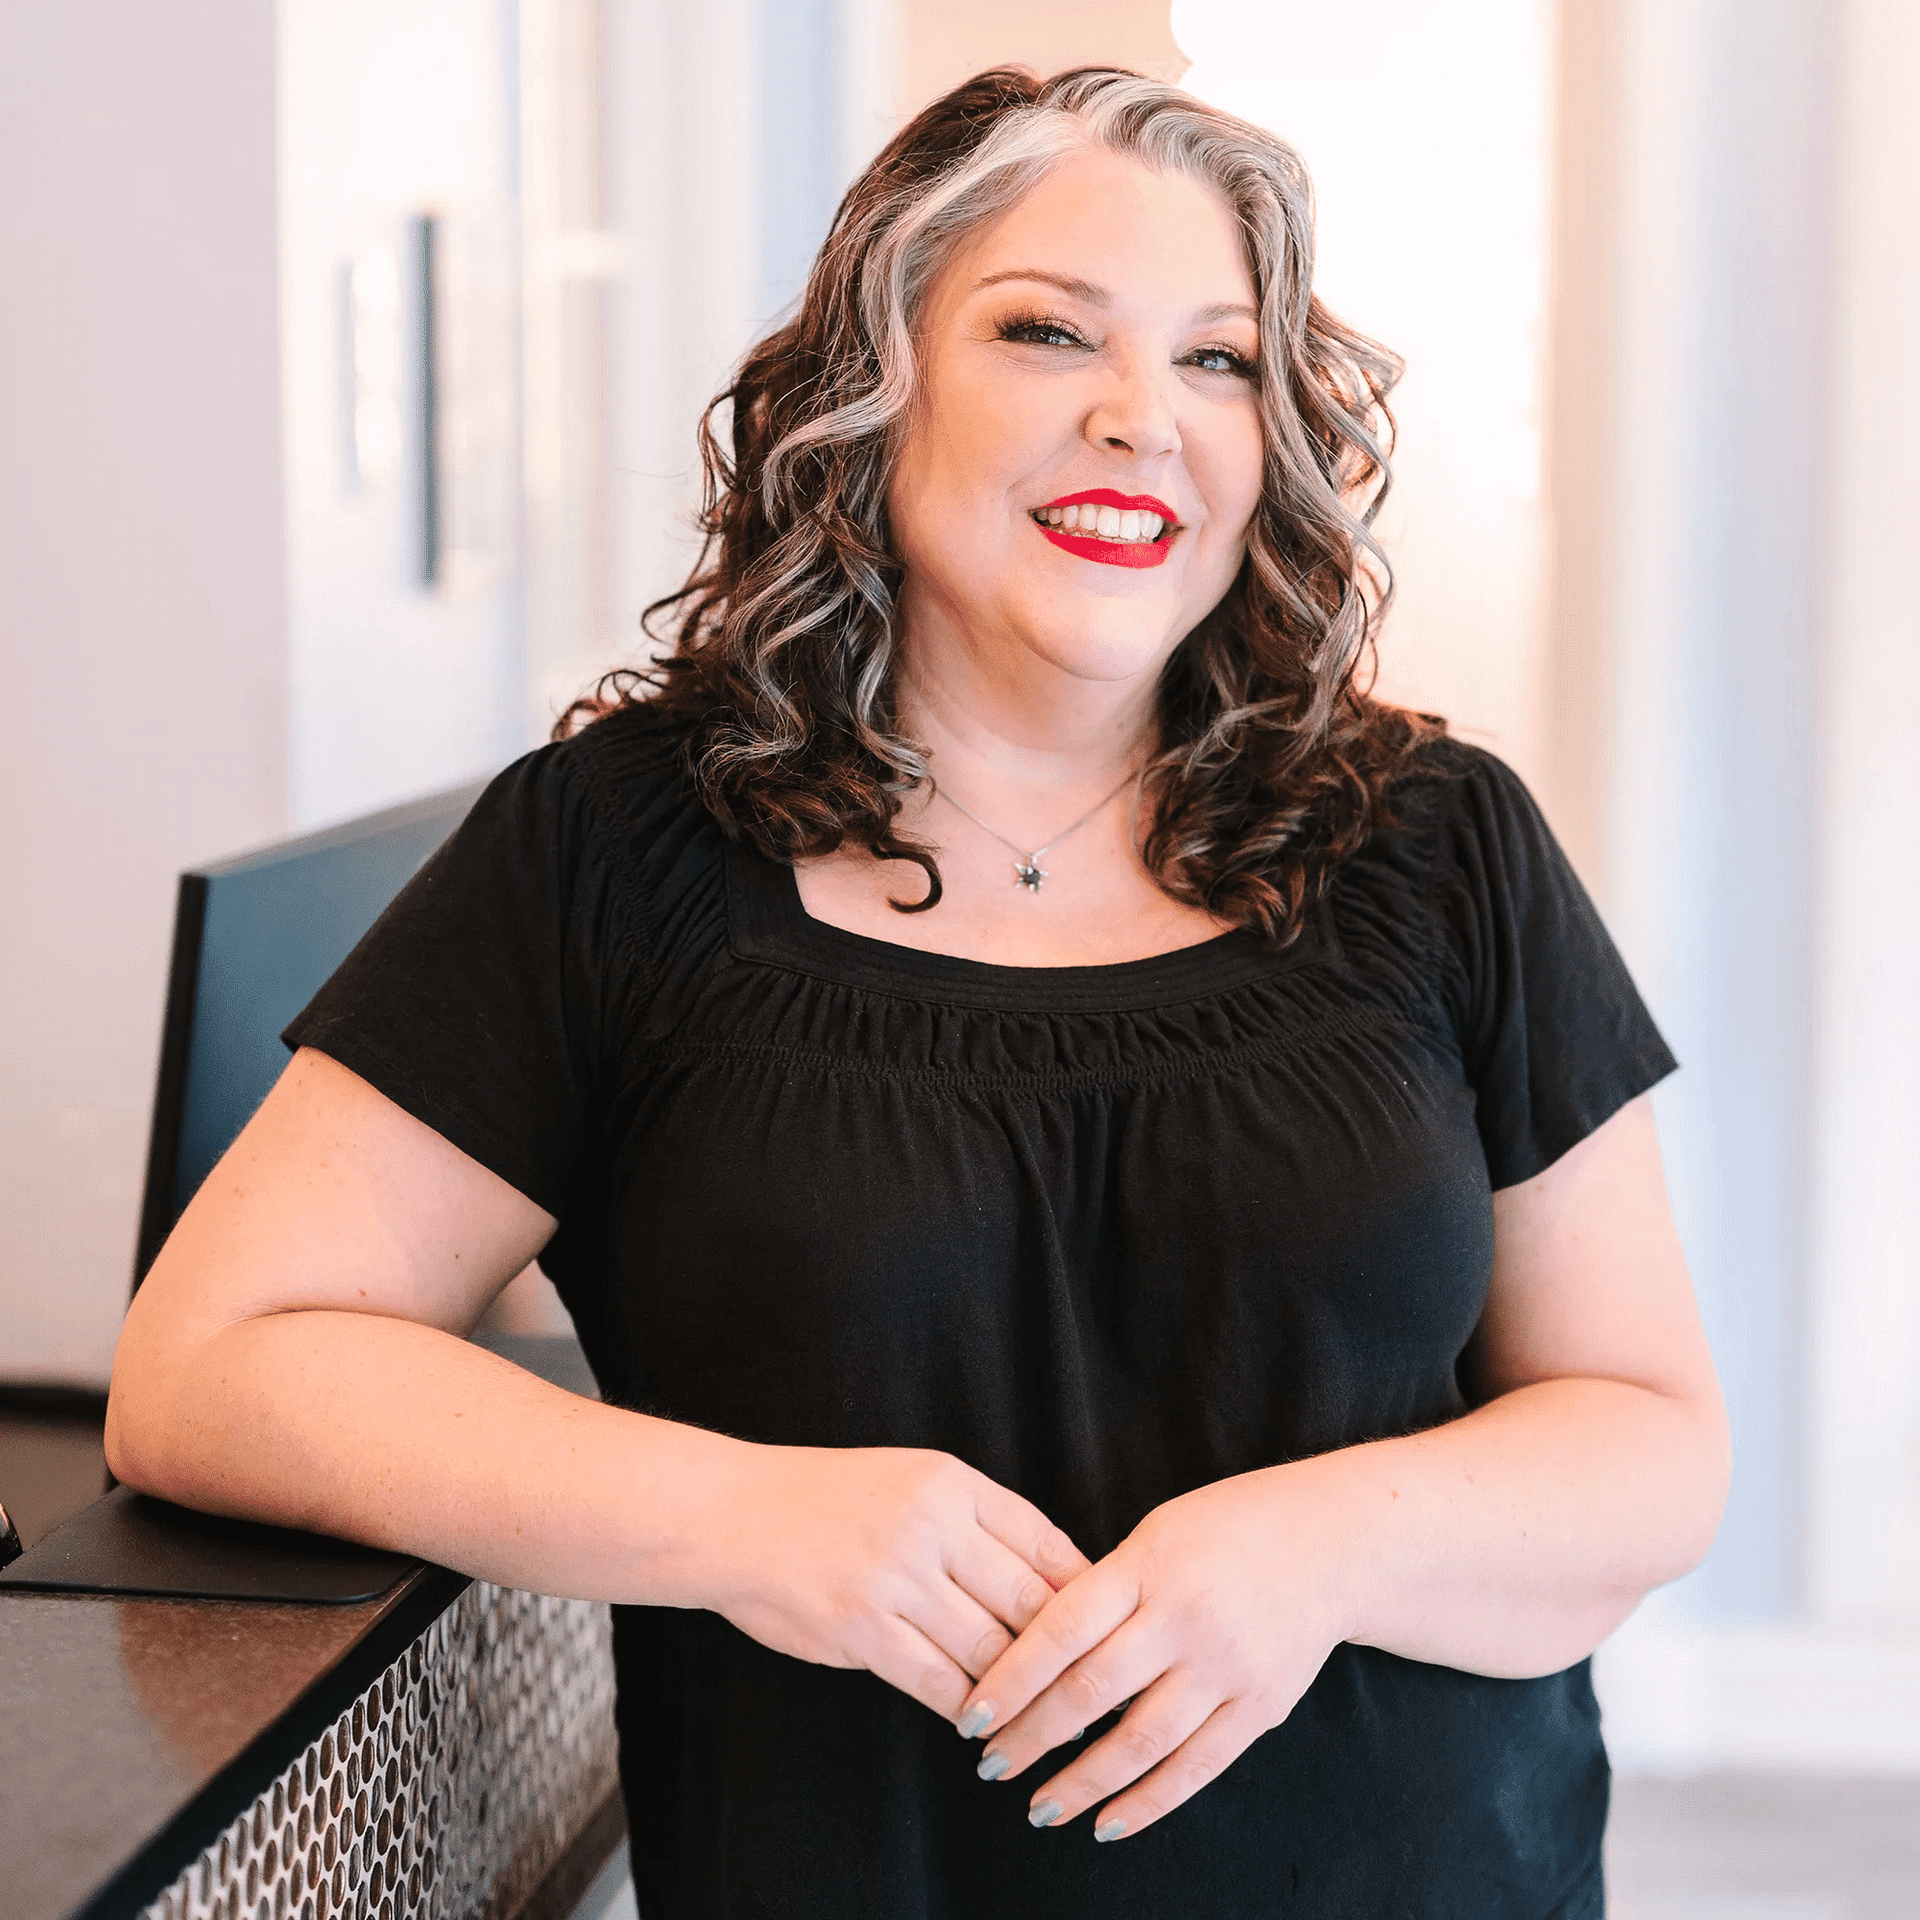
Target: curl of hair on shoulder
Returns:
[1273, 759]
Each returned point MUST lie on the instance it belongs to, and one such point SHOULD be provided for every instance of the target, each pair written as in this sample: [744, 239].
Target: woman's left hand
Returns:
[1212, 1618]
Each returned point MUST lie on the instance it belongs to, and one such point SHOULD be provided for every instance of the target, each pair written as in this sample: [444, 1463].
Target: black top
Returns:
[1107, 1233]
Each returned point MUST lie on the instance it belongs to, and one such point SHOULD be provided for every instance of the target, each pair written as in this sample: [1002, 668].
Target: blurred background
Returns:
[350, 356]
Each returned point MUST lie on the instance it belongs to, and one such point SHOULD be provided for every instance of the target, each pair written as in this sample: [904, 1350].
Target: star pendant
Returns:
[1029, 873]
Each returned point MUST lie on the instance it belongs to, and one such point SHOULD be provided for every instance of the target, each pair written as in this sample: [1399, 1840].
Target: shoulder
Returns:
[1450, 783]
[633, 755]
[623, 773]
[1464, 824]
[646, 843]
[599, 824]
[1451, 811]
[1464, 870]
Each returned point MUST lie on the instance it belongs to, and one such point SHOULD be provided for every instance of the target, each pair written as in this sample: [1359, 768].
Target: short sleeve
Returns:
[474, 1000]
[1553, 1033]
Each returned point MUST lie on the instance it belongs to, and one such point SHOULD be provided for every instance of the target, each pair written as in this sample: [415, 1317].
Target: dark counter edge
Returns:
[419, 1602]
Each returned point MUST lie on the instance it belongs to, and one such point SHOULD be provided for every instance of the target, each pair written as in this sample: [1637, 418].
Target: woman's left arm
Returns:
[1509, 1542]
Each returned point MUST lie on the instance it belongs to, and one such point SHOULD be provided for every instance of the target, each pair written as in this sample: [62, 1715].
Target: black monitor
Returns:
[253, 940]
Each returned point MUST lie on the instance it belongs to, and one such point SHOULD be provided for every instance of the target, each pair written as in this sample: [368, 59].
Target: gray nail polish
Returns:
[1109, 1829]
[993, 1766]
[976, 1720]
[1045, 1814]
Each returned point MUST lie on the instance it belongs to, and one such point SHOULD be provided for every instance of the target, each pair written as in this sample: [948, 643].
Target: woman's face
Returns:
[1075, 487]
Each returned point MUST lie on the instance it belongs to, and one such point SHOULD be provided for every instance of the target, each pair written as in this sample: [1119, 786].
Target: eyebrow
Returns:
[1083, 290]
[1090, 295]
[1225, 310]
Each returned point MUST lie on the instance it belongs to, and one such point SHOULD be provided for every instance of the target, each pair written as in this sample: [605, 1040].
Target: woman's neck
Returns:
[1023, 749]
[1036, 764]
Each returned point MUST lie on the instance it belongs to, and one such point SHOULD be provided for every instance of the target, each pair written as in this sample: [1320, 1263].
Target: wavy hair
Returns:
[1272, 759]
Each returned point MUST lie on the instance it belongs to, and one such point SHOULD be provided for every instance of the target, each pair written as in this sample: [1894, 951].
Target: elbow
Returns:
[1694, 1481]
[140, 1437]
[129, 1438]
[1704, 1523]
[1680, 1504]
[1716, 1478]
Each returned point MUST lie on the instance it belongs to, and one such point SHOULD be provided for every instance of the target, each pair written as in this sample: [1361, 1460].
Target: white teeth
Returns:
[1110, 523]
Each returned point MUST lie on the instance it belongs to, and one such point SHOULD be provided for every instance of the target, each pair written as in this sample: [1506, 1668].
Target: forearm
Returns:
[382, 1430]
[1512, 1541]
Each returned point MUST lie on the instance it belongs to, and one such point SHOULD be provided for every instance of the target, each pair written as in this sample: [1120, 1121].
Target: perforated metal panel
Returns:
[445, 1791]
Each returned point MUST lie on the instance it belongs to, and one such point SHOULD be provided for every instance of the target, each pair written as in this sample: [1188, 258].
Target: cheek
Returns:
[951, 466]
[993, 431]
[1230, 470]
[1243, 469]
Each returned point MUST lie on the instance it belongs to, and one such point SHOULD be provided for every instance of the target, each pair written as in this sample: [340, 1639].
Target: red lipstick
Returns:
[1112, 553]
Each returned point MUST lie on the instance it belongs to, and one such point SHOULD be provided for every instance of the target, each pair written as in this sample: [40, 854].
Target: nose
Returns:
[1135, 412]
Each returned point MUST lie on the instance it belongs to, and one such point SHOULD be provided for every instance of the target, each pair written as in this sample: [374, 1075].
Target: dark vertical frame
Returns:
[430, 270]
[159, 1206]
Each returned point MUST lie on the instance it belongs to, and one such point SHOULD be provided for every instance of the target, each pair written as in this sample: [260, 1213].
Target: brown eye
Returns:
[1040, 333]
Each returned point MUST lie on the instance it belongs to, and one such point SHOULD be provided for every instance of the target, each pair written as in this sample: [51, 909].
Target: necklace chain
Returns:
[1027, 870]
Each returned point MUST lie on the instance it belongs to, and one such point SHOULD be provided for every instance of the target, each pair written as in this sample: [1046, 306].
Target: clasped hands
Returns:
[1206, 1624]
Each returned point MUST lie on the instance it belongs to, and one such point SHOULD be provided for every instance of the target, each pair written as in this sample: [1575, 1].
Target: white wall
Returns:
[387, 113]
[143, 684]
[1426, 133]
[689, 300]
[1723, 410]
[214, 624]
[1864, 1404]
[1770, 294]
[690, 276]
[941, 44]
[210, 632]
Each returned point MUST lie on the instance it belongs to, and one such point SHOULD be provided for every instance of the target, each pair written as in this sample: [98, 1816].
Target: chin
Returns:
[1107, 650]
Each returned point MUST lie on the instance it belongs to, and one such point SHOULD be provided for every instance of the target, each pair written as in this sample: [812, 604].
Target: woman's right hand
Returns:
[901, 1560]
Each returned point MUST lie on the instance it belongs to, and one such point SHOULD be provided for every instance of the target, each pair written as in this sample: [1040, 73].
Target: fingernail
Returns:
[1079, 1734]
[1109, 1829]
[976, 1720]
[993, 1766]
[1045, 1814]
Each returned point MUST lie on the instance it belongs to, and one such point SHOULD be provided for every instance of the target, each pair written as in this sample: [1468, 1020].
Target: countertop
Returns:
[134, 1730]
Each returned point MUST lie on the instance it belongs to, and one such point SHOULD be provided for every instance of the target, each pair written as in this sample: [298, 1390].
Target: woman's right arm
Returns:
[297, 1355]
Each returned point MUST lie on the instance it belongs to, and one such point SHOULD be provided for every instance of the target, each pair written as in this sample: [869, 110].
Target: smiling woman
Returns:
[1036, 287]
[1199, 1314]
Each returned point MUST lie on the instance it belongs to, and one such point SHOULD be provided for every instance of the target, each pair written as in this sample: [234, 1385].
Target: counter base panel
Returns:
[458, 1786]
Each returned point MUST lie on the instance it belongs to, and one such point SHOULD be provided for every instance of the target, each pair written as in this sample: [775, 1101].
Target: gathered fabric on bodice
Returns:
[1106, 1233]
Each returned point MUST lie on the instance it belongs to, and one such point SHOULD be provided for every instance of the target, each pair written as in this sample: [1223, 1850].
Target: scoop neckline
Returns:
[768, 922]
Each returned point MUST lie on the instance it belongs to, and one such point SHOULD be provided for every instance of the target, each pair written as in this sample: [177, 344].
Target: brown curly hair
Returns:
[1272, 759]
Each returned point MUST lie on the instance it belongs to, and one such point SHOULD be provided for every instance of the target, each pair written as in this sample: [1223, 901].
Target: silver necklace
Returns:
[1027, 870]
